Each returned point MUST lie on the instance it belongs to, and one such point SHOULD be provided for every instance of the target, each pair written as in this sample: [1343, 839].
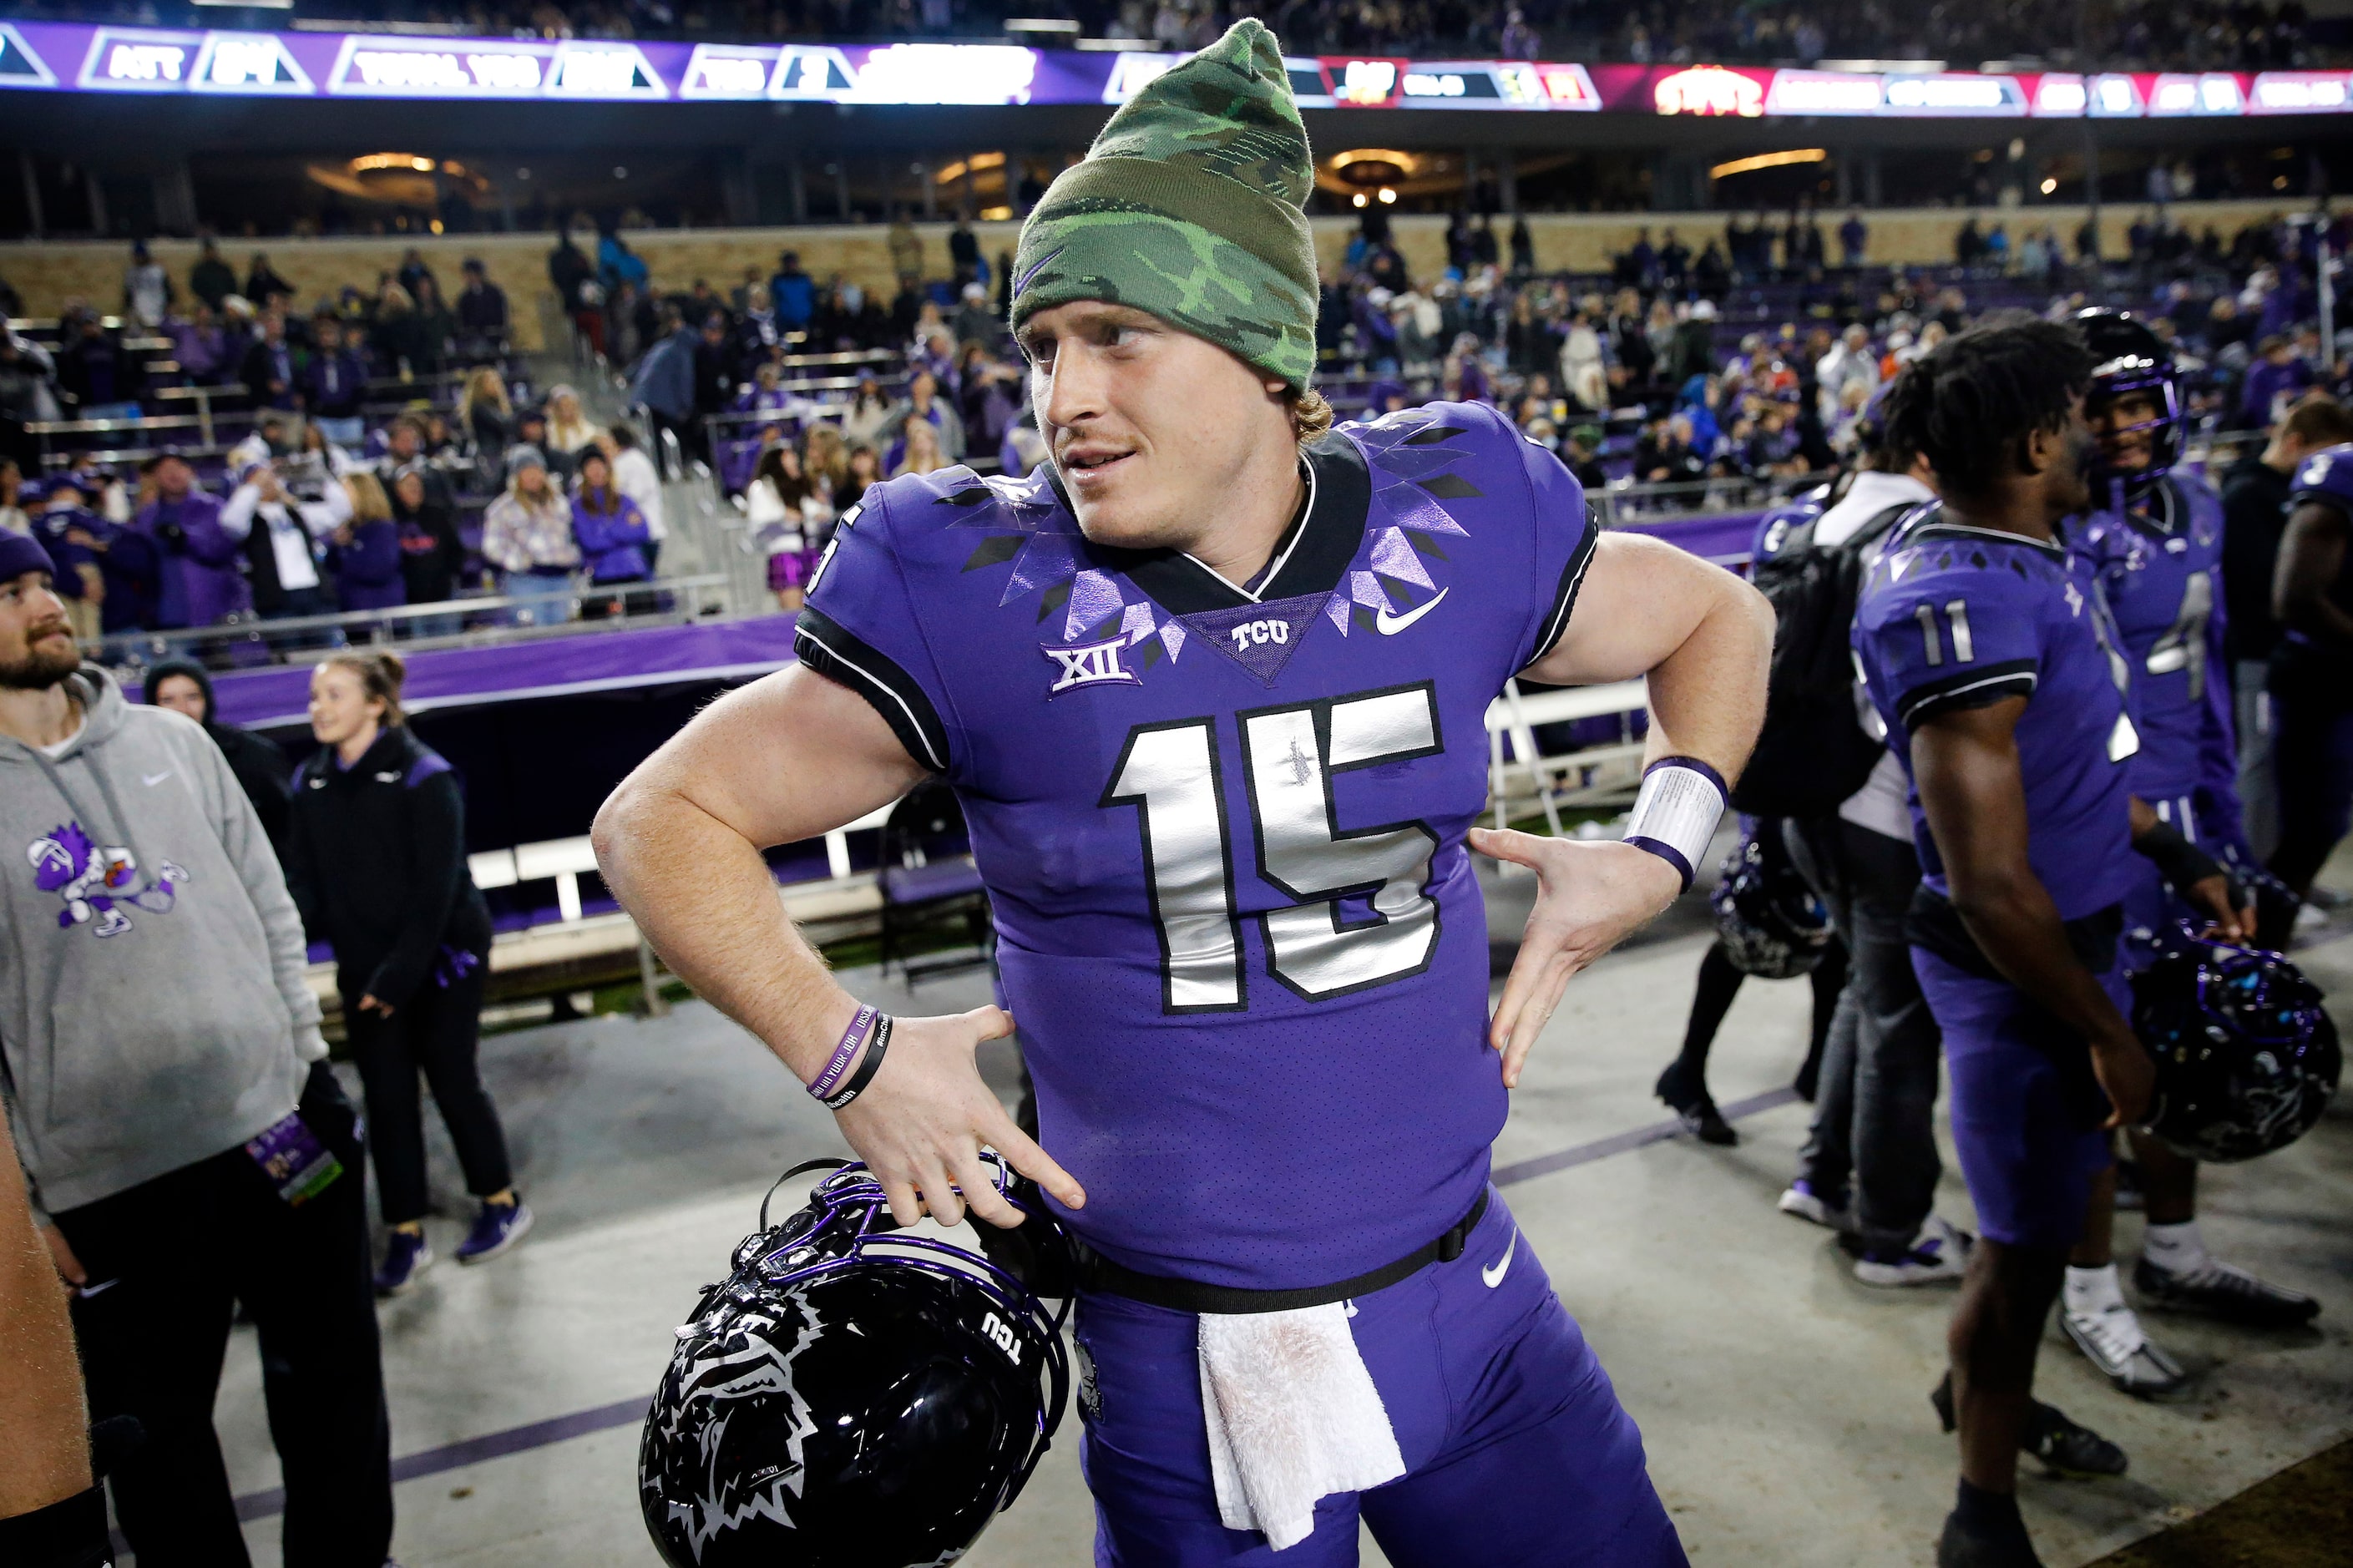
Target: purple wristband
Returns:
[844, 1053]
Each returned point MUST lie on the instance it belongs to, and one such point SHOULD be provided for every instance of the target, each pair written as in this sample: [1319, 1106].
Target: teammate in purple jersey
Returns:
[2156, 546]
[2312, 668]
[1211, 691]
[1988, 652]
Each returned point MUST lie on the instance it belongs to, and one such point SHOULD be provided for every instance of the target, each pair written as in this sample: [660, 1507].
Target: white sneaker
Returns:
[1802, 1201]
[1938, 1252]
[2113, 1340]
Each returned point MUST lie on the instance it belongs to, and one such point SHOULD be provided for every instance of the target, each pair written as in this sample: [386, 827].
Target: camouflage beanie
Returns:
[1189, 206]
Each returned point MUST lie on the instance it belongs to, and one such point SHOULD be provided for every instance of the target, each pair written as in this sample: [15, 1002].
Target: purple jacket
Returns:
[612, 544]
[201, 583]
[2265, 381]
[367, 570]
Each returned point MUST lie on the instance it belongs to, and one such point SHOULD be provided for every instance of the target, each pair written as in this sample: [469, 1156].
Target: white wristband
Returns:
[1675, 814]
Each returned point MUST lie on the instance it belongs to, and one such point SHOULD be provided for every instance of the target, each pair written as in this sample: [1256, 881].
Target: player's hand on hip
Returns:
[921, 1124]
[1590, 896]
[2127, 1075]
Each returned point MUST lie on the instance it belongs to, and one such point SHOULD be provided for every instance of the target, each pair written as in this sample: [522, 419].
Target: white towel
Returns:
[1292, 1417]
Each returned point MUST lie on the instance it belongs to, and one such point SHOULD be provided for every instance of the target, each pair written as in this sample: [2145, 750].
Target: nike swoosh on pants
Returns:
[1495, 1277]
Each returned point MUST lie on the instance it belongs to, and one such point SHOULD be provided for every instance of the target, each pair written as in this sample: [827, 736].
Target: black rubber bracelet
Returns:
[867, 1065]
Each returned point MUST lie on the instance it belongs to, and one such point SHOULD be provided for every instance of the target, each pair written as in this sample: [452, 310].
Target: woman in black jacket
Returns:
[376, 859]
[431, 552]
[186, 687]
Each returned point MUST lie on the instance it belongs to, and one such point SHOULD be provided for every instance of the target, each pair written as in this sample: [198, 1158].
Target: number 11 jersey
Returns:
[1223, 830]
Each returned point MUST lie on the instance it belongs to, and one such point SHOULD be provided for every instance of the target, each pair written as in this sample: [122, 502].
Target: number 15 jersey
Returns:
[1223, 830]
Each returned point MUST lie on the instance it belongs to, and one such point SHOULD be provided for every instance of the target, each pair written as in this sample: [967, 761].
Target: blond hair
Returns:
[369, 503]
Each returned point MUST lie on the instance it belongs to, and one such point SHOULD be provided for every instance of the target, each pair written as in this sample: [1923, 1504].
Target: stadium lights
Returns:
[1387, 194]
[2049, 185]
[1768, 161]
[1360, 198]
[1046, 24]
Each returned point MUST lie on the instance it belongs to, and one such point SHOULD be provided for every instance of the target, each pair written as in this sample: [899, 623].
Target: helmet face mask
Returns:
[852, 1394]
[2247, 1059]
[2134, 372]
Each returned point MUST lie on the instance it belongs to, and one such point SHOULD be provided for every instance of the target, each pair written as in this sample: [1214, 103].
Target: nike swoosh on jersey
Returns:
[1390, 624]
[151, 780]
[1495, 1277]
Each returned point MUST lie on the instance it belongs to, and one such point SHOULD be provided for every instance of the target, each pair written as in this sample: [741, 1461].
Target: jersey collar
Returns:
[1935, 527]
[1312, 559]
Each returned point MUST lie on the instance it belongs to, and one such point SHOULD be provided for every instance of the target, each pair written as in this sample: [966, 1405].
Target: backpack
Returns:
[1814, 751]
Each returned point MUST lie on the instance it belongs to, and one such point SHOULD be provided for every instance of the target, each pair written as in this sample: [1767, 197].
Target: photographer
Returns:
[281, 534]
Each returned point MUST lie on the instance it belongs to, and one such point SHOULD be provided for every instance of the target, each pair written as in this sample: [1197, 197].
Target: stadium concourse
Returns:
[1783, 1405]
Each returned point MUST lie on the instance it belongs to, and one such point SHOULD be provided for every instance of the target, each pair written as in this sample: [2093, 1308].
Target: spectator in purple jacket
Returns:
[334, 382]
[367, 549]
[609, 528]
[2276, 369]
[200, 581]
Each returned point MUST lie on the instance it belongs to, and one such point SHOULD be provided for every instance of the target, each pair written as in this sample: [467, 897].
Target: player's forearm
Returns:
[2010, 914]
[703, 896]
[1707, 696]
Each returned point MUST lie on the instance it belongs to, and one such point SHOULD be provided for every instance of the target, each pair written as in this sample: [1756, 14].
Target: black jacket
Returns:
[376, 860]
[258, 762]
[2254, 507]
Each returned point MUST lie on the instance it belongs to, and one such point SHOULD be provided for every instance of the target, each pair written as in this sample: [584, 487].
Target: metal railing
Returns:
[1622, 504]
[484, 621]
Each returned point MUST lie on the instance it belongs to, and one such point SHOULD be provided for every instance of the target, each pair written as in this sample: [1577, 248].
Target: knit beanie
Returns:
[1189, 206]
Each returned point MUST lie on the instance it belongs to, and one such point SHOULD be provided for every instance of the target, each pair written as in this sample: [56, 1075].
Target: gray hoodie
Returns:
[153, 1008]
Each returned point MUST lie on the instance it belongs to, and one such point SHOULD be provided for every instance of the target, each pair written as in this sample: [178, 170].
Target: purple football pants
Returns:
[1516, 1450]
[2025, 1106]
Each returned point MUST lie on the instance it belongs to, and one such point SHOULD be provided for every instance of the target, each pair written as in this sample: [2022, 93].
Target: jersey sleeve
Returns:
[859, 628]
[1963, 642]
[1566, 532]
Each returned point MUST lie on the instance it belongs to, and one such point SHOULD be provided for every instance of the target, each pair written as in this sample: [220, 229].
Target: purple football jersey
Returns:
[1953, 617]
[1222, 831]
[2160, 570]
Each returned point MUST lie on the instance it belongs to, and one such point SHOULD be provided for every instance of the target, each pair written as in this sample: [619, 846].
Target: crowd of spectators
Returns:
[729, 376]
[2142, 35]
[376, 428]
[1645, 367]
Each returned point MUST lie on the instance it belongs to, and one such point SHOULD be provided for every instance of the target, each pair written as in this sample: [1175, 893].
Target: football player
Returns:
[2312, 668]
[1988, 652]
[1211, 687]
[2155, 542]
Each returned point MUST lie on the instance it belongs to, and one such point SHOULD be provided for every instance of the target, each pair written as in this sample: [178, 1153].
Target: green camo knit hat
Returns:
[1189, 206]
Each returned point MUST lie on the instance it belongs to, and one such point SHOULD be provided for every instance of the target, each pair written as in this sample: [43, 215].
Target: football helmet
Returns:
[2131, 358]
[852, 1396]
[1770, 922]
[2246, 1056]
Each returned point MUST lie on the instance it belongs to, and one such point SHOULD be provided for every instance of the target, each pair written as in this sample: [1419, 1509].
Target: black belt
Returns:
[1097, 1272]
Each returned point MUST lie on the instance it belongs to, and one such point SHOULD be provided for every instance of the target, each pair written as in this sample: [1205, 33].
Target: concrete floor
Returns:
[1784, 1405]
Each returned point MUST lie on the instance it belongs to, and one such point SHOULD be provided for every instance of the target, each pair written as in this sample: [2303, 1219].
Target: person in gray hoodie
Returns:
[182, 1143]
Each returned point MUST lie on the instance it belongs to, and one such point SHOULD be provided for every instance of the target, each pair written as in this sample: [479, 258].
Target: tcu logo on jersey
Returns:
[1251, 632]
[1091, 664]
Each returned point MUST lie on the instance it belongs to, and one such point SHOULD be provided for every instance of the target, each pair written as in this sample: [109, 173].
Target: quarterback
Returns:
[1209, 686]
